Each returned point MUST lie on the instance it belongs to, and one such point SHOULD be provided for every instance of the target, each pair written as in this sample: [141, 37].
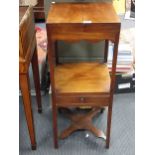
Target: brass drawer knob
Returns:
[82, 99]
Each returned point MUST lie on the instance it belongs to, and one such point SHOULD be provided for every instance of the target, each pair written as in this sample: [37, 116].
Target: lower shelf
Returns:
[82, 78]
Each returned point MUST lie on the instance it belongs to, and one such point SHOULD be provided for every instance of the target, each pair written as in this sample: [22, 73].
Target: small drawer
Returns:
[82, 101]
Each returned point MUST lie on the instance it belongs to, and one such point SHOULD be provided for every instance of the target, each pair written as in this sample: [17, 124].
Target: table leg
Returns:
[24, 85]
[35, 69]
[112, 87]
[108, 126]
[106, 51]
[54, 117]
[51, 61]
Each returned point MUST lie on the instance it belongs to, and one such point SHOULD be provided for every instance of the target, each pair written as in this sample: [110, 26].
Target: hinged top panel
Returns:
[82, 13]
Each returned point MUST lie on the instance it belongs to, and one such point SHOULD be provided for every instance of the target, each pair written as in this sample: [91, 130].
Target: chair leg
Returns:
[24, 86]
[35, 69]
[108, 126]
[55, 128]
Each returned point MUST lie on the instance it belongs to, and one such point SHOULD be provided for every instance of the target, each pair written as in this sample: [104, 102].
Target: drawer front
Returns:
[66, 101]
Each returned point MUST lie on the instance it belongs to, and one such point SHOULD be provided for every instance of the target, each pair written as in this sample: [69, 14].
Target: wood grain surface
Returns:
[82, 77]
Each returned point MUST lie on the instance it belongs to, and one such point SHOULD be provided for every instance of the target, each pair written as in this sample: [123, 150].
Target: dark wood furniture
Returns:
[27, 55]
[82, 84]
[39, 12]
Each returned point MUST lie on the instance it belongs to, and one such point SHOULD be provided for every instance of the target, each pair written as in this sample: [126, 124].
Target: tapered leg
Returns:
[108, 126]
[106, 51]
[54, 117]
[112, 88]
[45, 79]
[24, 86]
[109, 109]
[52, 63]
[35, 69]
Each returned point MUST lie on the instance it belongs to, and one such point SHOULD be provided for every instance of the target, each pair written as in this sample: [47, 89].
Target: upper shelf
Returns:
[81, 13]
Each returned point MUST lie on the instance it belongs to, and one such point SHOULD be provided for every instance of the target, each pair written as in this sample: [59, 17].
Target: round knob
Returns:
[82, 99]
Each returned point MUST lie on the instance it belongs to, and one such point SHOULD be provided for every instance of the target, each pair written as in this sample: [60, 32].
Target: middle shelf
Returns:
[82, 78]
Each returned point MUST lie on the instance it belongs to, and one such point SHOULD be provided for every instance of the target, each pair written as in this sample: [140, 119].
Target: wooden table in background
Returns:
[27, 55]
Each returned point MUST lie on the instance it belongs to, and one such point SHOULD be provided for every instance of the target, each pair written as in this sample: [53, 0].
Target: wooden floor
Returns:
[82, 77]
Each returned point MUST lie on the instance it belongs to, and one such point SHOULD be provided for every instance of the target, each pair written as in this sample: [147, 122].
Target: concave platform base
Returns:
[82, 122]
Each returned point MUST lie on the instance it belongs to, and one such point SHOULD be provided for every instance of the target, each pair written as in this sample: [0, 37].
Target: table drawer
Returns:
[64, 101]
